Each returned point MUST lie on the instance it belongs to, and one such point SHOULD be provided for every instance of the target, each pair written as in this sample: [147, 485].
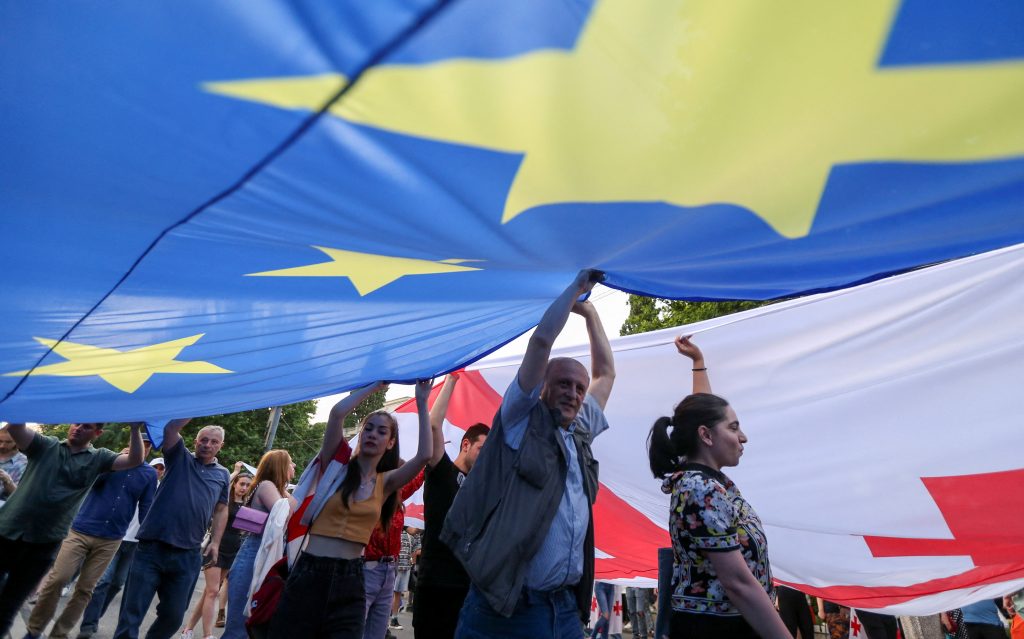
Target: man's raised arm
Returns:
[437, 414]
[21, 434]
[602, 362]
[334, 433]
[535, 361]
[172, 433]
[136, 451]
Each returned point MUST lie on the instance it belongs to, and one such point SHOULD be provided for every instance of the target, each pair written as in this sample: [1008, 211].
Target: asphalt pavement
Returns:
[109, 621]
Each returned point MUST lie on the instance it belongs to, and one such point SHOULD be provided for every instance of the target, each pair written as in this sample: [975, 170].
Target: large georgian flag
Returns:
[885, 454]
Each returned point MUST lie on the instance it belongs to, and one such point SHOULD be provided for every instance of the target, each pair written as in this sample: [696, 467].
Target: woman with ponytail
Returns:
[721, 580]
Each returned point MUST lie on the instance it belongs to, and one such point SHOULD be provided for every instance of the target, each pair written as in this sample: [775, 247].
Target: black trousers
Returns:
[435, 613]
[22, 565]
[876, 625]
[795, 612]
[985, 631]
[687, 625]
[323, 598]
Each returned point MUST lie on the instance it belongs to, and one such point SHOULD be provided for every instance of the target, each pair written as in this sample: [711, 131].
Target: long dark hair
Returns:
[389, 461]
[667, 451]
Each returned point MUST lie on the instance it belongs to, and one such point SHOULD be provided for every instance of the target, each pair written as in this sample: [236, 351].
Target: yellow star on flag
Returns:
[126, 370]
[367, 271]
[691, 103]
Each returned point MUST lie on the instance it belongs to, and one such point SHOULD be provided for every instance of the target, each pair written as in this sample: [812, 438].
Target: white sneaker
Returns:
[186, 634]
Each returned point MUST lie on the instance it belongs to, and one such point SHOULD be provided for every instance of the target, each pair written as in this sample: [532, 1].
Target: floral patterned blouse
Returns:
[708, 514]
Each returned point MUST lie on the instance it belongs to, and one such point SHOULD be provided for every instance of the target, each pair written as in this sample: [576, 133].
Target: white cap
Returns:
[158, 461]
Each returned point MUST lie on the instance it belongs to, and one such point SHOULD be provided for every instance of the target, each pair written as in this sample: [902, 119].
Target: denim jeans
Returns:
[167, 572]
[239, 578]
[108, 586]
[537, 615]
[323, 597]
[379, 578]
[605, 595]
[639, 615]
[22, 565]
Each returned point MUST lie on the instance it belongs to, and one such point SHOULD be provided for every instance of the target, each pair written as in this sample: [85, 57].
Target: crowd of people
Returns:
[507, 548]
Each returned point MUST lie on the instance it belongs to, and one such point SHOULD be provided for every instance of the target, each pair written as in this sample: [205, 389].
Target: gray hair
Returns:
[212, 428]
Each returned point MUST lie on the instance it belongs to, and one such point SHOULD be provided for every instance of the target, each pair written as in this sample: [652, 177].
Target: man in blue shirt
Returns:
[95, 536]
[117, 572]
[168, 558]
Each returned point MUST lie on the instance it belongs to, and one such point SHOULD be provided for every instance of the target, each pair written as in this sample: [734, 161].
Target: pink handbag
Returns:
[250, 520]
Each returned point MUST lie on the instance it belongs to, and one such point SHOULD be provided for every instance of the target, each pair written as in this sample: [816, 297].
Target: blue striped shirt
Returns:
[559, 562]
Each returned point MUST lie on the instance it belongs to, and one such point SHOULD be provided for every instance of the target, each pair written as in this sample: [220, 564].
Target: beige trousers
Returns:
[92, 554]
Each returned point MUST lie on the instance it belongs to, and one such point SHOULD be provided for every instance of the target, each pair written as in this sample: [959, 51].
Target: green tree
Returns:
[651, 313]
[373, 402]
[246, 432]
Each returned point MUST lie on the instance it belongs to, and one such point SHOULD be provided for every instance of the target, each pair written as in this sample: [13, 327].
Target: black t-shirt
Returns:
[437, 565]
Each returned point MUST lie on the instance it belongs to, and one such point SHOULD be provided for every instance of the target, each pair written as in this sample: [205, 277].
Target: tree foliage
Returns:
[373, 402]
[651, 313]
[246, 432]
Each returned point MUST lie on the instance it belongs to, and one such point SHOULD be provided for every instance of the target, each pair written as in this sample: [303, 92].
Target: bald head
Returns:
[565, 386]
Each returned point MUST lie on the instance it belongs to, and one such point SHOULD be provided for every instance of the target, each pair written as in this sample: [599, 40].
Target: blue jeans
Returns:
[239, 579]
[537, 615]
[108, 586]
[639, 616]
[605, 594]
[163, 570]
[380, 588]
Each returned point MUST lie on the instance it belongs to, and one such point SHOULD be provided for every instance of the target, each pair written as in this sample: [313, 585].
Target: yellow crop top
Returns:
[354, 523]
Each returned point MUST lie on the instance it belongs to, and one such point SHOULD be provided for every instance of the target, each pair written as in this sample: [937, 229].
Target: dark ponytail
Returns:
[667, 451]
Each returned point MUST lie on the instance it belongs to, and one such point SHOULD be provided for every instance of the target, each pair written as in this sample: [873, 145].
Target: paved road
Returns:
[109, 621]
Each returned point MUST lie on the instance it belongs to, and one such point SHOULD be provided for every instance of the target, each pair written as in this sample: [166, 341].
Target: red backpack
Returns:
[267, 596]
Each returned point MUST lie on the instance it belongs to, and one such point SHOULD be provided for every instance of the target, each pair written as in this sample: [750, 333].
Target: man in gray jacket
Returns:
[522, 522]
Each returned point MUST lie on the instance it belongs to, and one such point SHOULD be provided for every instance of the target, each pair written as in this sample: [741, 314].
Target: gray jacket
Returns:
[503, 510]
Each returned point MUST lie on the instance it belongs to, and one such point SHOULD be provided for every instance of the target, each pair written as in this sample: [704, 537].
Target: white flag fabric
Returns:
[615, 619]
[856, 630]
[886, 455]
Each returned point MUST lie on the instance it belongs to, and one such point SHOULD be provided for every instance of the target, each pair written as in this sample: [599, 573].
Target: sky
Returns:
[611, 304]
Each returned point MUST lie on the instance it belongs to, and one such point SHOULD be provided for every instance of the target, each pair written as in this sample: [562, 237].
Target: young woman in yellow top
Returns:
[324, 594]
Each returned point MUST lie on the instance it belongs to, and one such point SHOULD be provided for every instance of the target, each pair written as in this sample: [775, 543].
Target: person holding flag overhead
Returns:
[168, 559]
[324, 595]
[442, 583]
[37, 517]
[722, 582]
[522, 523]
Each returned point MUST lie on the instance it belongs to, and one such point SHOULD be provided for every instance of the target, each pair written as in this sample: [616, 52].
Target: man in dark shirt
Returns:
[442, 582]
[95, 536]
[168, 559]
[38, 515]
